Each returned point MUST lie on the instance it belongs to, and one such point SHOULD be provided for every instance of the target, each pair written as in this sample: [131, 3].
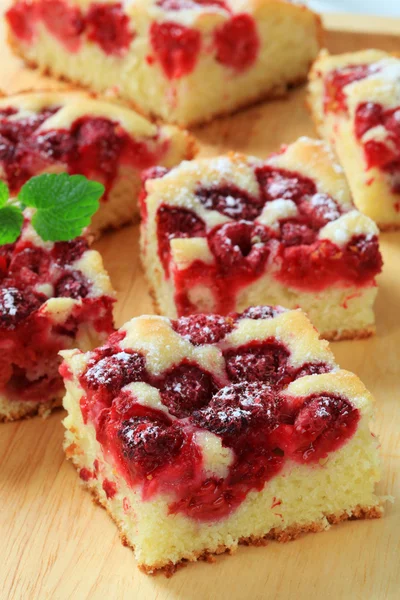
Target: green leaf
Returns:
[4, 193]
[11, 219]
[64, 204]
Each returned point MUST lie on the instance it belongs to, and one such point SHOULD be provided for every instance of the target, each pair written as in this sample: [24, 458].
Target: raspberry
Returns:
[297, 234]
[108, 26]
[186, 388]
[240, 245]
[16, 306]
[318, 211]
[8, 112]
[312, 369]
[148, 444]
[279, 184]
[257, 362]
[176, 47]
[66, 253]
[231, 201]
[237, 42]
[322, 425]
[55, 145]
[203, 329]
[114, 372]
[21, 18]
[65, 22]
[362, 258]
[237, 408]
[99, 143]
[176, 223]
[30, 265]
[72, 285]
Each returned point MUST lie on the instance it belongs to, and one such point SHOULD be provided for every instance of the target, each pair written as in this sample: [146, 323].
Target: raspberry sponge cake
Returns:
[52, 296]
[222, 234]
[52, 131]
[355, 102]
[184, 61]
[201, 433]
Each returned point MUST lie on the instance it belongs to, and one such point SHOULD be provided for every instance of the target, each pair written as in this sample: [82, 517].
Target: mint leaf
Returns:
[4, 193]
[64, 204]
[11, 219]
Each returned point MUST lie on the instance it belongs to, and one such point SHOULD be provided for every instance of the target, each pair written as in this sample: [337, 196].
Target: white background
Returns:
[389, 8]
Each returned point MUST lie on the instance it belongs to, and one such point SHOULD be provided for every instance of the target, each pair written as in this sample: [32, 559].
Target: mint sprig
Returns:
[63, 205]
[11, 218]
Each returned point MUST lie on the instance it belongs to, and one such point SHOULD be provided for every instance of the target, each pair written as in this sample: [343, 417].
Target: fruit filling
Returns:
[93, 146]
[338, 79]
[30, 339]
[245, 249]
[382, 154]
[105, 25]
[260, 425]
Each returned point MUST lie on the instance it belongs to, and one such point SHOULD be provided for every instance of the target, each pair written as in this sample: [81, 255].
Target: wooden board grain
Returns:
[56, 544]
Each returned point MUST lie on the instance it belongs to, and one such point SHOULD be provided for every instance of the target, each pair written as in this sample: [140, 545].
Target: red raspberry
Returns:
[319, 210]
[30, 265]
[322, 425]
[185, 389]
[203, 329]
[264, 361]
[231, 201]
[114, 372]
[109, 27]
[64, 21]
[297, 234]
[240, 245]
[21, 18]
[148, 444]
[176, 47]
[237, 42]
[72, 285]
[281, 184]
[237, 408]
[16, 306]
[66, 253]
[362, 259]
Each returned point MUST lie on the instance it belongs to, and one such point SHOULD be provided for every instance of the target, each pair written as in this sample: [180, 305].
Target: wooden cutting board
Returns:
[56, 544]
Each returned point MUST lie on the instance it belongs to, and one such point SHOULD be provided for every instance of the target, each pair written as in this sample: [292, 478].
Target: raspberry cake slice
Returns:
[208, 431]
[184, 61]
[222, 234]
[52, 131]
[355, 102]
[53, 296]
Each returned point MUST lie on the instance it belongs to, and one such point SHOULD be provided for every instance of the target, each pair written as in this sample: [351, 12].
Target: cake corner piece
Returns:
[209, 431]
